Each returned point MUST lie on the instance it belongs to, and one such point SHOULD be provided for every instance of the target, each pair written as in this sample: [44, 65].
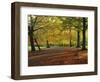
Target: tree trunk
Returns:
[31, 35]
[83, 33]
[32, 43]
[78, 39]
[31, 39]
[48, 46]
[37, 44]
[70, 37]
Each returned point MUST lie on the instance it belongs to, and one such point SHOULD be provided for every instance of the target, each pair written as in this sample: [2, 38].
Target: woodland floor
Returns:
[57, 56]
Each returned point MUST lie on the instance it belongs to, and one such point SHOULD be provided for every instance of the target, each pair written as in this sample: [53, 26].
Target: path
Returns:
[57, 56]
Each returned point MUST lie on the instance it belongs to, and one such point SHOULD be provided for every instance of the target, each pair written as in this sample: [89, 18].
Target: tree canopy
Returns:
[56, 31]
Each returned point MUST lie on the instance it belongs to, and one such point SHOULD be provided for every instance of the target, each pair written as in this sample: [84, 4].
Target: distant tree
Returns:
[68, 25]
[48, 46]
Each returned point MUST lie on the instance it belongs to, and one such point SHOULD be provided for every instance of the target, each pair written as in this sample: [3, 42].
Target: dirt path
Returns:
[57, 56]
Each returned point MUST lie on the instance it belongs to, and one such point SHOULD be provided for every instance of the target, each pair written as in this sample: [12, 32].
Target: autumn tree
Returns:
[84, 33]
[68, 24]
[30, 31]
[32, 22]
[78, 27]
